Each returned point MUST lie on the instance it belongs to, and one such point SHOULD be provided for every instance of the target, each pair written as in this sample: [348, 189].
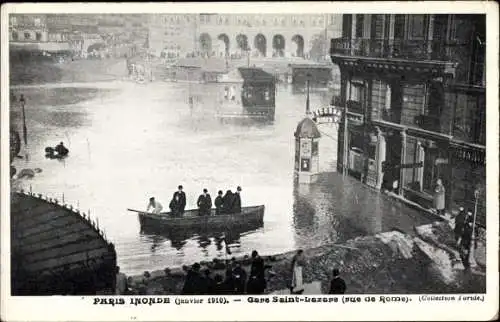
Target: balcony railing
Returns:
[390, 48]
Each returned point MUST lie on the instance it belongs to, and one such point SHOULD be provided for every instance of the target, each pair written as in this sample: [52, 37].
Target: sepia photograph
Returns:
[186, 153]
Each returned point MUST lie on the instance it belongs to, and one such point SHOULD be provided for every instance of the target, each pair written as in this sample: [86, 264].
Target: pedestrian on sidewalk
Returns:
[298, 263]
[257, 280]
[464, 243]
[459, 223]
[337, 285]
[439, 196]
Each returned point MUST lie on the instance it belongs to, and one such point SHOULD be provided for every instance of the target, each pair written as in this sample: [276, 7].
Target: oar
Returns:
[133, 210]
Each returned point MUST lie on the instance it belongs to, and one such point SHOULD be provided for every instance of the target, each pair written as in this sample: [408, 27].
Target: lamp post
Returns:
[25, 130]
[248, 56]
[25, 134]
[308, 110]
[472, 259]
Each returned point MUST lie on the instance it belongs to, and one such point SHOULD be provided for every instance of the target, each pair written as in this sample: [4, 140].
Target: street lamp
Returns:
[248, 56]
[472, 259]
[308, 110]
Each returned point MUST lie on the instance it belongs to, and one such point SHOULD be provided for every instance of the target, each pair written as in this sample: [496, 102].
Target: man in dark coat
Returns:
[178, 203]
[219, 285]
[465, 241]
[239, 278]
[459, 223]
[204, 203]
[229, 286]
[208, 284]
[337, 285]
[193, 282]
[219, 202]
[257, 280]
[61, 150]
[227, 202]
[236, 204]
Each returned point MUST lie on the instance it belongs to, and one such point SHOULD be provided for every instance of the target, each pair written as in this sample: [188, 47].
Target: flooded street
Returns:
[129, 142]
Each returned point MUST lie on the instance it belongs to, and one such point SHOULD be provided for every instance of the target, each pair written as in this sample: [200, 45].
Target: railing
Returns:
[429, 123]
[393, 48]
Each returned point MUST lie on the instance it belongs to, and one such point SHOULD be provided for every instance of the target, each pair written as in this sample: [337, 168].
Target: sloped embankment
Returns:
[390, 262]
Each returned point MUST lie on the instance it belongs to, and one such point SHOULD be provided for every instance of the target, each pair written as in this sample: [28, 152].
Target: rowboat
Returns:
[190, 218]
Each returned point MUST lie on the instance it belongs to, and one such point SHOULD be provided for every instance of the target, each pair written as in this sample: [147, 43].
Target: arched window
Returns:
[15, 35]
[38, 36]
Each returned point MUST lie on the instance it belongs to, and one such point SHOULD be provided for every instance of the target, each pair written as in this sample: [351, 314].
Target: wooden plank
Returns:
[59, 224]
[60, 261]
[20, 214]
[48, 215]
[76, 229]
[76, 248]
[57, 241]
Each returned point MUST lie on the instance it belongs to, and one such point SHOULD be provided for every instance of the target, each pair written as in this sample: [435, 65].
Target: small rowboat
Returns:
[190, 218]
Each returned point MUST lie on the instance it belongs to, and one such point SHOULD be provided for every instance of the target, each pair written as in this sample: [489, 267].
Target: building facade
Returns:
[414, 90]
[28, 28]
[223, 35]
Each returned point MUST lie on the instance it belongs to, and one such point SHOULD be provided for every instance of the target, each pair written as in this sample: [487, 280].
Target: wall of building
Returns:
[436, 111]
[184, 32]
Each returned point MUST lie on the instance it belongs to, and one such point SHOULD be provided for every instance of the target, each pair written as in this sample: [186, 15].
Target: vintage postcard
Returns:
[306, 161]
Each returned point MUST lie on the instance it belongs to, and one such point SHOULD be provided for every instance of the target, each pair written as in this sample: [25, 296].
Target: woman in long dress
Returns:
[439, 197]
[298, 263]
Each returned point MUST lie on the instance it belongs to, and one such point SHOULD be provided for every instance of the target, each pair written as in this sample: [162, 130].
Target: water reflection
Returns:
[222, 237]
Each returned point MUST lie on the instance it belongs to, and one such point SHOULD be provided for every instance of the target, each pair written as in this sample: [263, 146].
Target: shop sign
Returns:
[441, 161]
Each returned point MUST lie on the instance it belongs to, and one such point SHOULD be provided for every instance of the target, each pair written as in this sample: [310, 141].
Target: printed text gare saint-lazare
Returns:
[182, 300]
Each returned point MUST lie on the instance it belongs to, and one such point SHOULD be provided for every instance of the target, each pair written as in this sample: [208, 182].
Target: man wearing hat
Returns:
[178, 203]
[236, 206]
[204, 203]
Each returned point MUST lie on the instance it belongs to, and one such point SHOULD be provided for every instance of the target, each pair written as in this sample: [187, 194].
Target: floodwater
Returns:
[129, 142]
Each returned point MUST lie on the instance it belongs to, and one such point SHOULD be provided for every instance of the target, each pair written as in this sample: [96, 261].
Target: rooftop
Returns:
[307, 129]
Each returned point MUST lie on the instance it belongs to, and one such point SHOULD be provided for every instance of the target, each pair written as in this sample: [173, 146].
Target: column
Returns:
[353, 34]
[430, 33]
[403, 158]
[420, 152]
[381, 153]
[392, 20]
[385, 114]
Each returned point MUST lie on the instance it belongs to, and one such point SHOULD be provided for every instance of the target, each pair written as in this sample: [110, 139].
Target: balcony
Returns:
[395, 48]
[428, 123]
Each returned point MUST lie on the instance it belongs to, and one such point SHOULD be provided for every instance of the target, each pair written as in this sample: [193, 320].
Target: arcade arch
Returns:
[242, 42]
[299, 42]
[225, 40]
[205, 44]
[278, 46]
[260, 44]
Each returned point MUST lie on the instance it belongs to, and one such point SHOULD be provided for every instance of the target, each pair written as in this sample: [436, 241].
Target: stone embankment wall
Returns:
[390, 262]
[56, 249]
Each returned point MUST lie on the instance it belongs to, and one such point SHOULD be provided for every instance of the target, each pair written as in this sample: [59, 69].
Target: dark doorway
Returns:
[260, 44]
[299, 40]
[279, 46]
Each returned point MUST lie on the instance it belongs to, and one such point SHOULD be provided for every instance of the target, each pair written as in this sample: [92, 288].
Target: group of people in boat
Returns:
[59, 151]
[228, 203]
